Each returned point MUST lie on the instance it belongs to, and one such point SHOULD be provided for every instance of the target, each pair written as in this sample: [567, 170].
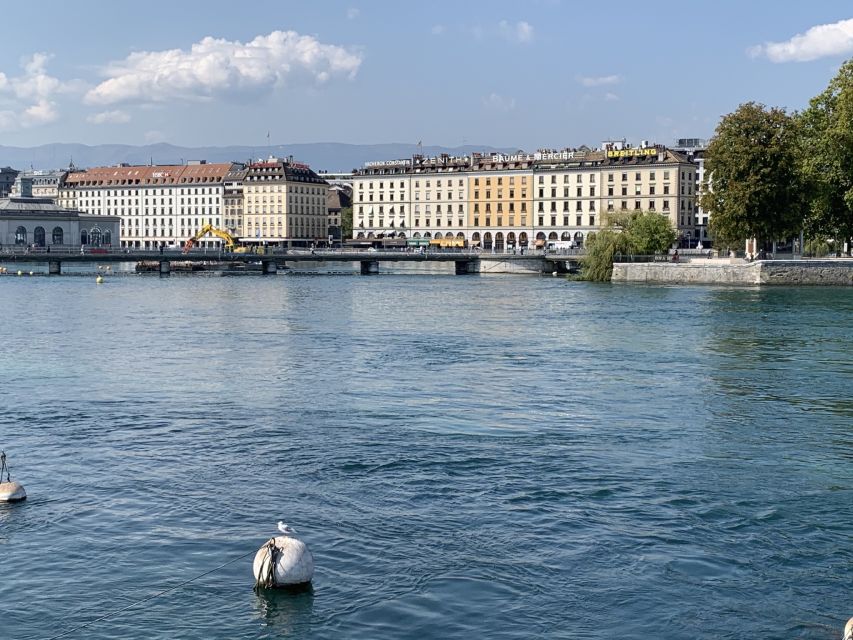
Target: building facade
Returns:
[39, 222]
[284, 201]
[158, 205]
[516, 201]
[38, 184]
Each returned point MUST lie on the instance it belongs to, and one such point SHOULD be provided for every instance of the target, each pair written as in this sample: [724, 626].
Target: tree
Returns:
[649, 233]
[637, 233]
[826, 155]
[756, 190]
[346, 223]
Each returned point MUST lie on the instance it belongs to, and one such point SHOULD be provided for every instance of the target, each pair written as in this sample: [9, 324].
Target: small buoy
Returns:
[554, 273]
[99, 280]
[20, 273]
[12, 492]
[31, 273]
[9, 491]
[848, 630]
[283, 561]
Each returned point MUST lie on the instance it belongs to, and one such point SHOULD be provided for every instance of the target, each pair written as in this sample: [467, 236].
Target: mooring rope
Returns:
[266, 572]
[151, 597]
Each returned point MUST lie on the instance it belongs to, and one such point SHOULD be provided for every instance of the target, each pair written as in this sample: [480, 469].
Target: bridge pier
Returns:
[369, 267]
[165, 267]
[464, 267]
[54, 267]
[269, 267]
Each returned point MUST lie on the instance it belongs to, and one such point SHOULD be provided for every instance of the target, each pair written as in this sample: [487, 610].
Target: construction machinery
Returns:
[230, 241]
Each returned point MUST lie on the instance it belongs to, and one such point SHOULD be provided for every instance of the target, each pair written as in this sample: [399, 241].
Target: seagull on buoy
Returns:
[285, 529]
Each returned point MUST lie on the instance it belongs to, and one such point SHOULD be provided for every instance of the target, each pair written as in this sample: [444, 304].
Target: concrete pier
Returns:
[369, 267]
[465, 267]
[269, 267]
[165, 267]
[54, 268]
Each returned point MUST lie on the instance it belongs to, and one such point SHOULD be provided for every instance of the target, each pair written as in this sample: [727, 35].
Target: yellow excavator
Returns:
[230, 242]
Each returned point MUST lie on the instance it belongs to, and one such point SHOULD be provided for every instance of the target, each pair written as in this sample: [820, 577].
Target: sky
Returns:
[526, 75]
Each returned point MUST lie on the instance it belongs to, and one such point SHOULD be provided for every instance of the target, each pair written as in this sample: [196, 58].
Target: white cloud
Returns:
[438, 30]
[818, 42]
[154, 136]
[598, 81]
[352, 13]
[498, 102]
[520, 32]
[109, 117]
[610, 97]
[30, 97]
[217, 66]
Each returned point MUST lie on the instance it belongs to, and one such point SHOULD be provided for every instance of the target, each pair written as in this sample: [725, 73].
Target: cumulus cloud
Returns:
[611, 97]
[352, 13]
[598, 81]
[521, 32]
[109, 117]
[818, 42]
[29, 97]
[438, 30]
[498, 102]
[215, 66]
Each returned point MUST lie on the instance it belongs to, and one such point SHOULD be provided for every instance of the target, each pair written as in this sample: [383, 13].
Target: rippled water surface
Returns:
[501, 457]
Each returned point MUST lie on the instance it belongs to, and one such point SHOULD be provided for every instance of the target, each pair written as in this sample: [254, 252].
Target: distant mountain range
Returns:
[326, 156]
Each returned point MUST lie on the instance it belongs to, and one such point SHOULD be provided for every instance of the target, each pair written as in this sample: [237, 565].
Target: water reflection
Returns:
[285, 610]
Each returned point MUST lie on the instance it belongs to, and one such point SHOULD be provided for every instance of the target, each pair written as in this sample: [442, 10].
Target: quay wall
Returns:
[763, 272]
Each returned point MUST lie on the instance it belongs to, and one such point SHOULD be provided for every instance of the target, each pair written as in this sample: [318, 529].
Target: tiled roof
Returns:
[150, 175]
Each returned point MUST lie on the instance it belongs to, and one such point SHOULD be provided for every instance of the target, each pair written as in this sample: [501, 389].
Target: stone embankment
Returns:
[738, 272]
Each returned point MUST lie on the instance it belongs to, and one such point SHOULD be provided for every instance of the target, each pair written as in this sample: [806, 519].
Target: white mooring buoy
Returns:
[848, 630]
[283, 561]
[9, 491]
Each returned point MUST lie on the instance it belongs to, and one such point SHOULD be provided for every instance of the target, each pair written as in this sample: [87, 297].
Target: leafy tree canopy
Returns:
[756, 188]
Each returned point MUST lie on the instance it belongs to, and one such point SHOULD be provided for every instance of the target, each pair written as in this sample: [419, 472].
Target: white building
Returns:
[158, 205]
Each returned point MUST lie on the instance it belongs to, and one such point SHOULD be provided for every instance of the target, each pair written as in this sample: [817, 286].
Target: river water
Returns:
[501, 457]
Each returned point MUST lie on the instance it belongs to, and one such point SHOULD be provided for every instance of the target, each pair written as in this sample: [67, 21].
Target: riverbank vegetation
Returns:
[635, 233]
[775, 174]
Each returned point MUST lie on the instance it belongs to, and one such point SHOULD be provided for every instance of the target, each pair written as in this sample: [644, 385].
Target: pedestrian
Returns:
[675, 256]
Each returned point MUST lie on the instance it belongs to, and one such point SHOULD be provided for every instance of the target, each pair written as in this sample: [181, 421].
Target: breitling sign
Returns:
[631, 153]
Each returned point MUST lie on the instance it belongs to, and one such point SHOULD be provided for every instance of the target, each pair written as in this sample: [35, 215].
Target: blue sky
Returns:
[511, 74]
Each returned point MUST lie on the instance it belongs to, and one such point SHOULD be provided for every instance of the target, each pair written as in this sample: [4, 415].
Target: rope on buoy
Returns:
[151, 597]
[266, 575]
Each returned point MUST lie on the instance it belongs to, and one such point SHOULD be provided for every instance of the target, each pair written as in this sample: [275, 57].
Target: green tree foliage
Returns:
[826, 129]
[756, 188]
[346, 222]
[636, 233]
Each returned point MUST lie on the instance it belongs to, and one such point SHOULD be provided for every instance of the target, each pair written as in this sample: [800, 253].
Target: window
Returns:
[579, 221]
[541, 221]
[637, 204]
[591, 220]
[580, 194]
[609, 177]
[592, 192]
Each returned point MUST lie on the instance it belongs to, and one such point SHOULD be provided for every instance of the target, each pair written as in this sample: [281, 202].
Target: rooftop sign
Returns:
[388, 163]
[631, 153]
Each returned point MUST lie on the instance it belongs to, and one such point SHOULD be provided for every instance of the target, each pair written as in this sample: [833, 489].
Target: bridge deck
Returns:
[278, 256]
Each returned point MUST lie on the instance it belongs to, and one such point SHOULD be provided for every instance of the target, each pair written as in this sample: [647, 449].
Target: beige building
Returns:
[518, 201]
[284, 201]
